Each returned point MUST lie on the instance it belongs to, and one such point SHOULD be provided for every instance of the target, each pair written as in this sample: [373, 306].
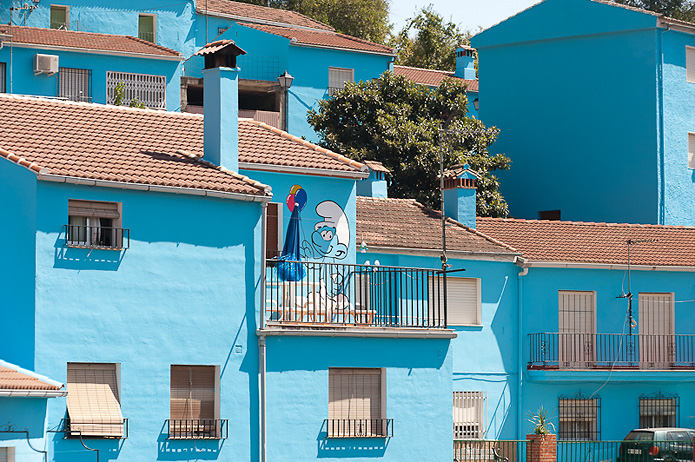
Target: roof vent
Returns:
[45, 64]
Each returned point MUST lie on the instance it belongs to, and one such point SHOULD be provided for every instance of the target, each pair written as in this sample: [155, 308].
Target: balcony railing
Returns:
[605, 351]
[358, 428]
[211, 429]
[353, 295]
[95, 428]
[149, 36]
[96, 237]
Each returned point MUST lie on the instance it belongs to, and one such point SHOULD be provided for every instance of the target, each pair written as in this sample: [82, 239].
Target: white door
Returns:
[656, 329]
[577, 329]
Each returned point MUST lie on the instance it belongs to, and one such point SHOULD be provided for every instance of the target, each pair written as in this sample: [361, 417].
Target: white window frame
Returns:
[337, 78]
[456, 314]
[149, 89]
[690, 64]
[334, 374]
[465, 403]
[100, 429]
[67, 15]
[154, 25]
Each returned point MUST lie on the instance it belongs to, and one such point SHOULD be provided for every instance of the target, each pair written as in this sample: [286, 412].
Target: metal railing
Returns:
[75, 84]
[358, 428]
[605, 351]
[95, 429]
[194, 429]
[489, 450]
[96, 237]
[149, 36]
[353, 295]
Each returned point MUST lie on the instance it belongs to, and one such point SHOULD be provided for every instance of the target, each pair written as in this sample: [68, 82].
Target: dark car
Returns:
[657, 445]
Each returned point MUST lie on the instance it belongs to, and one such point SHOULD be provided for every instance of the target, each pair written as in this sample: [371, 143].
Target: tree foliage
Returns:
[428, 41]
[677, 9]
[365, 19]
[396, 122]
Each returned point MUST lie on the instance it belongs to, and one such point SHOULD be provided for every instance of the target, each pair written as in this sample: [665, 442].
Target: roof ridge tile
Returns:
[257, 184]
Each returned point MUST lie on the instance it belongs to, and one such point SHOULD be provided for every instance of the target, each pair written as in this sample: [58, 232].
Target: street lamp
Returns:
[285, 81]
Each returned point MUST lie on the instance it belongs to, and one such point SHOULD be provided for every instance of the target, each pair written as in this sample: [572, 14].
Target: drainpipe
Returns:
[520, 347]
[261, 338]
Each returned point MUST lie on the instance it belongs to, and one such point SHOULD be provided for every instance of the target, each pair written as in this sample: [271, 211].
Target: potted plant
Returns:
[542, 442]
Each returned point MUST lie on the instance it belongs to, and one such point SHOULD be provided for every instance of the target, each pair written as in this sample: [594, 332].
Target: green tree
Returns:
[365, 19]
[396, 122]
[677, 9]
[428, 41]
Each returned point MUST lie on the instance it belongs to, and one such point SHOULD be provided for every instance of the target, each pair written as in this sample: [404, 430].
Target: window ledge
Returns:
[93, 247]
[338, 331]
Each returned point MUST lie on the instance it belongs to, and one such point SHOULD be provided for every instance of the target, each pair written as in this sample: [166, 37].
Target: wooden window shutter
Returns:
[78, 208]
[354, 393]
[463, 300]
[273, 230]
[7, 454]
[192, 393]
[690, 64]
[93, 400]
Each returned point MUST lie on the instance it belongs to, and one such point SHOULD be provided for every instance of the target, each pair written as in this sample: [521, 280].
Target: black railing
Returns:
[353, 295]
[213, 429]
[358, 428]
[96, 237]
[149, 36]
[605, 351]
[471, 450]
[94, 428]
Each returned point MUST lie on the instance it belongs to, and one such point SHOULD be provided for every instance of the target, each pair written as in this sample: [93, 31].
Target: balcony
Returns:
[611, 351]
[197, 429]
[358, 428]
[332, 295]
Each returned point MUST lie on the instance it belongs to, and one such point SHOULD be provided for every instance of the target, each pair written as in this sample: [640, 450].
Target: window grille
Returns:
[337, 77]
[149, 89]
[94, 405]
[580, 418]
[3, 78]
[75, 84]
[469, 415]
[659, 410]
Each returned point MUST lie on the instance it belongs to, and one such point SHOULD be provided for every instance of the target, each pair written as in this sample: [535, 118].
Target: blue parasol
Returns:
[289, 270]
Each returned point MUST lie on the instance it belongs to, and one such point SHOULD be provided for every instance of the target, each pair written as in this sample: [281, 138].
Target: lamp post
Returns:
[285, 81]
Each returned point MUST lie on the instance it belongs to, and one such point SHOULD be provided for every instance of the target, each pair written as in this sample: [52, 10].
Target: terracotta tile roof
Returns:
[456, 170]
[431, 77]
[86, 40]
[15, 378]
[583, 242]
[216, 46]
[405, 223]
[263, 144]
[112, 143]
[323, 38]
[252, 12]
[376, 166]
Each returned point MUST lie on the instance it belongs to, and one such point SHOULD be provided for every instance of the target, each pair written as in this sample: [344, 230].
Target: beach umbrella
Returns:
[288, 268]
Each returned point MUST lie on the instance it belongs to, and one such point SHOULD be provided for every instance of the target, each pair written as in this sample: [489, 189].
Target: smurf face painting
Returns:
[331, 236]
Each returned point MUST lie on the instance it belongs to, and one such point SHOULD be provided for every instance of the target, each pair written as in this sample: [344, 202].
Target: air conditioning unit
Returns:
[45, 64]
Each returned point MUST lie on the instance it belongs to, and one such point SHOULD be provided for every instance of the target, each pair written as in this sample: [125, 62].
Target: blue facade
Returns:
[612, 156]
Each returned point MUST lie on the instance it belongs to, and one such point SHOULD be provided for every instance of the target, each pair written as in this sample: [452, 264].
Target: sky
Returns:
[467, 14]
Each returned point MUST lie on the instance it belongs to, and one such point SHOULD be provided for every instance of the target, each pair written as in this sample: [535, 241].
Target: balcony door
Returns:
[577, 329]
[657, 329]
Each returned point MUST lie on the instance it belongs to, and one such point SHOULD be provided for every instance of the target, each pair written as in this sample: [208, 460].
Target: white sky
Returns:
[467, 14]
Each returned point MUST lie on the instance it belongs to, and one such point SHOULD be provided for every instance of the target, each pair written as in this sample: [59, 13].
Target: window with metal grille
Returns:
[146, 88]
[147, 27]
[659, 410]
[3, 78]
[75, 84]
[60, 17]
[580, 418]
[469, 415]
[337, 76]
[194, 404]
[356, 405]
[94, 404]
[463, 300]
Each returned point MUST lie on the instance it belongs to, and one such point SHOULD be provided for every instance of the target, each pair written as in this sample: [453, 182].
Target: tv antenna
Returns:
[631, 320]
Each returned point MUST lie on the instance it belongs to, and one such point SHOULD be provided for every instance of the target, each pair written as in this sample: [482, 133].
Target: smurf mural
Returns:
[331, 236]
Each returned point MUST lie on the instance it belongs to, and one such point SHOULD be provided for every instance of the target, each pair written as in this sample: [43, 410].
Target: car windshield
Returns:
[640, 436]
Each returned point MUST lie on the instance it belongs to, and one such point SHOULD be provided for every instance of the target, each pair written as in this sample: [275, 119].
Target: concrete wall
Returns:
[185, 292]
[576, 66]
[620, 390]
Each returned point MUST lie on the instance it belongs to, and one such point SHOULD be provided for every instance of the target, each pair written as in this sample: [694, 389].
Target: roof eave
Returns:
[529, 263]
[674, 24]
[11, 393]
[326, 47]
[462, 254]
[124, 54]
[266, 22]
[353, 175]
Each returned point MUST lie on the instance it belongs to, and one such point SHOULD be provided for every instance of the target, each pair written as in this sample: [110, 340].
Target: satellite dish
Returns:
[293, 40]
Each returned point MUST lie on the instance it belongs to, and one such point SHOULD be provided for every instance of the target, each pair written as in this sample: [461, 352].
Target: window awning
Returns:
[94, 407]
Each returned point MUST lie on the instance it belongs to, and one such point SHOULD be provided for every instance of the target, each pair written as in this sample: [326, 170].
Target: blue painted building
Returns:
[610, 134]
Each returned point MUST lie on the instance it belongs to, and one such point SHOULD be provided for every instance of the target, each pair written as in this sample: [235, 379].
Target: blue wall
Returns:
[185, 292]
[619, 391]
[23, 414]
[418, 397]
[560, 81]
[17, 244]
